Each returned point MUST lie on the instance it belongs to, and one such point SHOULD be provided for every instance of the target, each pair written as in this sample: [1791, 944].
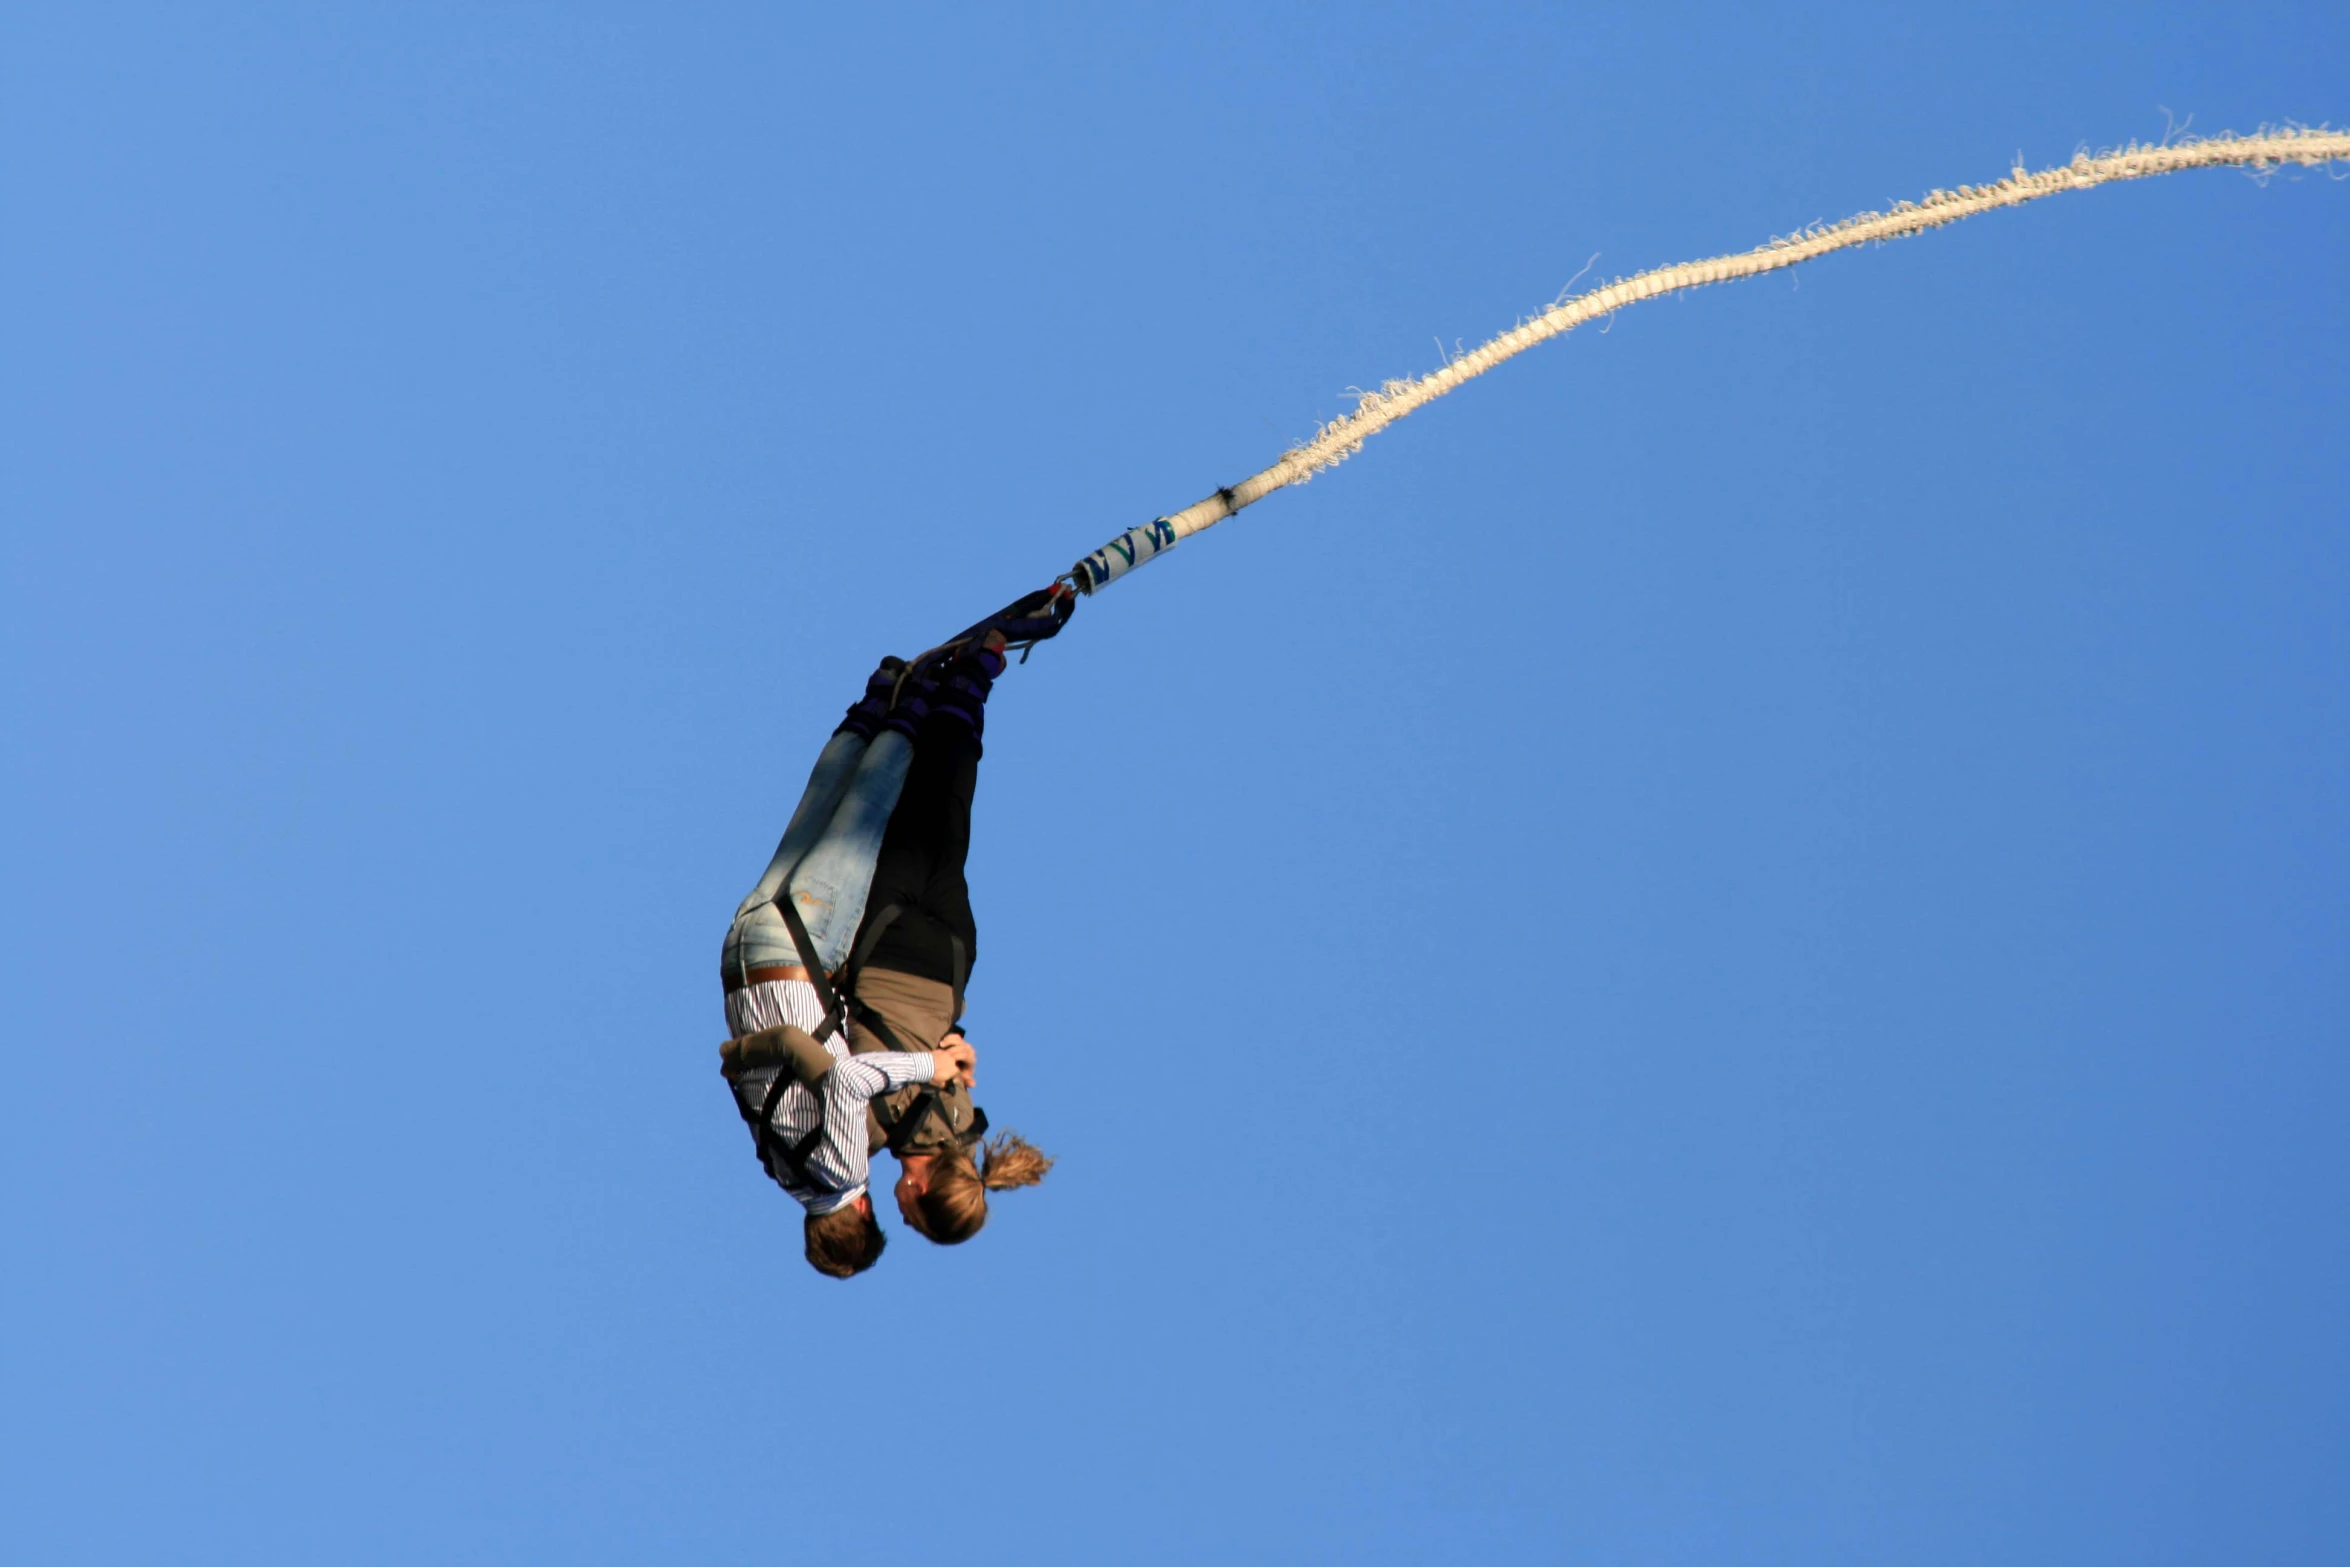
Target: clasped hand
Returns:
[954, 1061]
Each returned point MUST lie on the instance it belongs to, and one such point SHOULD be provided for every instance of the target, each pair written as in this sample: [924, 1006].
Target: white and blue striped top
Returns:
[839, 1160]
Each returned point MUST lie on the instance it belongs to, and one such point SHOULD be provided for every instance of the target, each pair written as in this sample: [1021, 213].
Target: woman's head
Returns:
[944, 1195]
[844, 1242]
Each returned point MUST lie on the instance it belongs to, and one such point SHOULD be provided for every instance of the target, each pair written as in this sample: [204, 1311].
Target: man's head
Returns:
[846, 1241]
[943, 1195]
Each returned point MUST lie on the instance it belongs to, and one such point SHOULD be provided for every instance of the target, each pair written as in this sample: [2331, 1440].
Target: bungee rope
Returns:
[1341, 438]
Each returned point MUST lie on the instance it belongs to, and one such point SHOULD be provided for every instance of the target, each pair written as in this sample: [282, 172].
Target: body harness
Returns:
[841, 1003]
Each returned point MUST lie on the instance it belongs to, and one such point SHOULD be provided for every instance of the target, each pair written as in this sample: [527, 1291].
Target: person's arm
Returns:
[859, 1078]
[788, 1046]
[842, 1159]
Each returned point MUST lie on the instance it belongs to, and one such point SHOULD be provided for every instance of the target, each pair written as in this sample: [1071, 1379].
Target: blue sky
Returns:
[1728, 947]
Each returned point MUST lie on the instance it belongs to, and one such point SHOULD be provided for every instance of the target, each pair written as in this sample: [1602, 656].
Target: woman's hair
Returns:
[954, 1206]
[844, 1242]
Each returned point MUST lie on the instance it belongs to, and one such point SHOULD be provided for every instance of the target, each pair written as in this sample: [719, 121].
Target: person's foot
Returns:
[867, 712]
[916, 691]
[964, 684]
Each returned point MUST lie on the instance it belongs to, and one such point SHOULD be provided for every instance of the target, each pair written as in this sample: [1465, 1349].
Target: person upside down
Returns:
[844, 968]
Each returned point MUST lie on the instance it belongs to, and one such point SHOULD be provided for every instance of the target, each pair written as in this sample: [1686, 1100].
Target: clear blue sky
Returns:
[1729, 947]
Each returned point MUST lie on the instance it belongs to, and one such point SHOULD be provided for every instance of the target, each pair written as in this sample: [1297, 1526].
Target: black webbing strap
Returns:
[765, 1125]
[879, 1026]
[925, 1103]
[867, 939]
[837, 1002]
[793, 1156]
[835, 1015]
[902, 1127]
[896, 1129]
[841, 1002]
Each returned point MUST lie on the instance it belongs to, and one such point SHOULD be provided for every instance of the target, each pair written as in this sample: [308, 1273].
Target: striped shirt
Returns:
[839, 1163]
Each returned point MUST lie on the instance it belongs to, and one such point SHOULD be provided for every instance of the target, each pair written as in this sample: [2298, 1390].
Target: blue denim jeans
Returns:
[827, 854]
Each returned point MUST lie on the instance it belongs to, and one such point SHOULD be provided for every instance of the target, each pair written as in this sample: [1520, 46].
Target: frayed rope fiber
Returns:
[1341, 438]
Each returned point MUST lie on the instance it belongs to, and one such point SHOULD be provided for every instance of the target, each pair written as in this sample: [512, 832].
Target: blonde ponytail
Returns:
[953, 1207]
[1012, 1160]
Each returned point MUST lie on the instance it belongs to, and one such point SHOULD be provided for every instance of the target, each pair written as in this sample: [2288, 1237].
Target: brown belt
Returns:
[761, 976]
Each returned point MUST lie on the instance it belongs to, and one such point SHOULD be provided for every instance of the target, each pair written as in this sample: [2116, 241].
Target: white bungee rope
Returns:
[1341, 438]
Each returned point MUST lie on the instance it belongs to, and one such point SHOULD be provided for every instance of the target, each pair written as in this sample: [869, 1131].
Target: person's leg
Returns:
[826, 784]
[830, 883]
[920, 866]
[757, 937]
[829, 779]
